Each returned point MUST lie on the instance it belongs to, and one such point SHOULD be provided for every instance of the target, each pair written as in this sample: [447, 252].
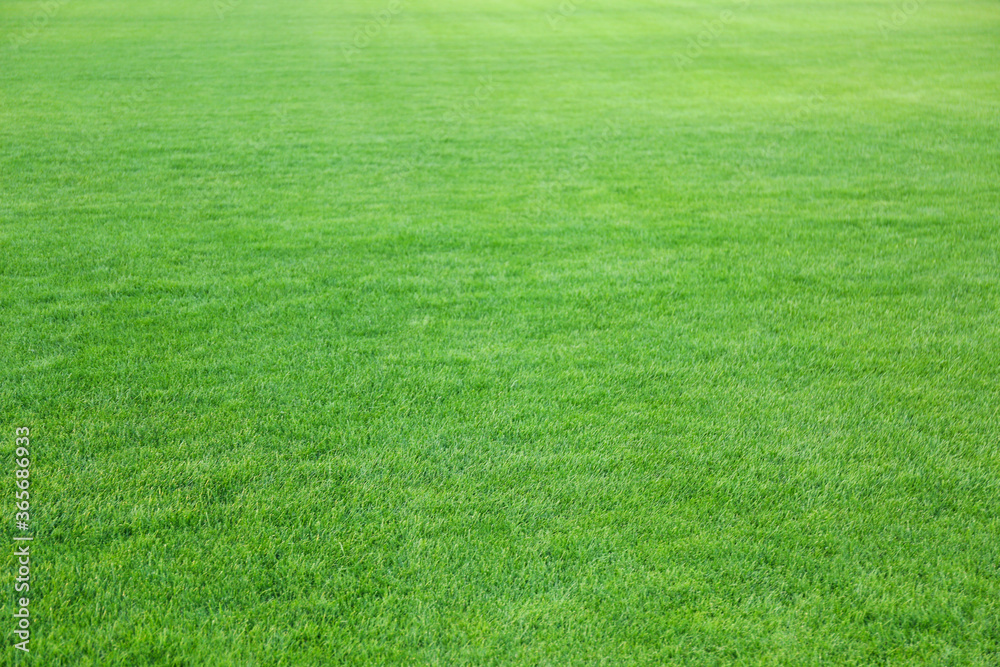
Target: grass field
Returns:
[522, 332]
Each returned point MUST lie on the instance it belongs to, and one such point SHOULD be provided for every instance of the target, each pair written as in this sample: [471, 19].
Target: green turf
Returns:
[528, 334]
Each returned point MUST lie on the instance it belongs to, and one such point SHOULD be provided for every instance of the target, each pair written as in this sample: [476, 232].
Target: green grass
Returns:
[510, 339]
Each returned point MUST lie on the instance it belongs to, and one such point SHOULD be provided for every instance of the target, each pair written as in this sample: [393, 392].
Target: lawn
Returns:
[520, 332]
